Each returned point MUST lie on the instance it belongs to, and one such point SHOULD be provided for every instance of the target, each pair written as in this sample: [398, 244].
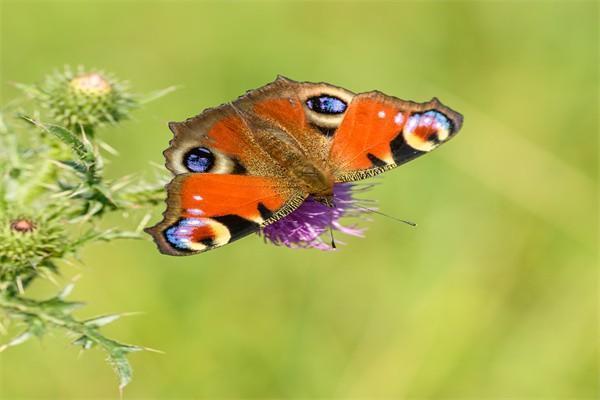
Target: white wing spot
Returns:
[195, 211]
[381, 114]
[399, 119]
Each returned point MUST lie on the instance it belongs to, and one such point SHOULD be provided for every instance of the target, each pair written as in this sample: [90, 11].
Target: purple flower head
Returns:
[305, 225]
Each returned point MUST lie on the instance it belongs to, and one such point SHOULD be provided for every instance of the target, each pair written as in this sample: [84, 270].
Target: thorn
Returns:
[66, 291]
[20, 285]
[153, 350]
[143, 223]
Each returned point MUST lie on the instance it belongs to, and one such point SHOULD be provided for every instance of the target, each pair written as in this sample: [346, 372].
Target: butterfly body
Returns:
[301, 166]
[248, 163]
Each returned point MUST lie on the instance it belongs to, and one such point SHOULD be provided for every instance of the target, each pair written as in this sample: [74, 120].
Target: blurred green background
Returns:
[494, 295]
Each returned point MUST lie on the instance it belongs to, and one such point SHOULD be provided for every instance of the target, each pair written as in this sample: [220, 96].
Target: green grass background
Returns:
[494, 295]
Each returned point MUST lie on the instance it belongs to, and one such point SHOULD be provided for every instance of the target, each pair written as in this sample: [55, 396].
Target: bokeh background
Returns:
[494, 295]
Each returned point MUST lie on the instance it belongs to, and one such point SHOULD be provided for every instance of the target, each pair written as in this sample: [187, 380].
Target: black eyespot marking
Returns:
[325, 104]
[199, 159]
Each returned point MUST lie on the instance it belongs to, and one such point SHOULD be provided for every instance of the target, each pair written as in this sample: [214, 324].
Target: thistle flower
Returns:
[58, 172]
[27, 246]
[304, 227]
[83, 99]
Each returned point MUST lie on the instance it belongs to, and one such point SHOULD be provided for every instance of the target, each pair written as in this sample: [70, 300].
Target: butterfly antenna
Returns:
[387, 215]
[330, 203]
[332, 239]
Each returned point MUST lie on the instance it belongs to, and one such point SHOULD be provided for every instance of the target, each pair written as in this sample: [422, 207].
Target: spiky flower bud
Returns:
[83, 99]
[28, 243]
[52, 192]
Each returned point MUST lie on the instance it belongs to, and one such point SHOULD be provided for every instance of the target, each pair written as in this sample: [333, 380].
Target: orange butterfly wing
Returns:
[225, 135]
[380, 132]
[210, 210]
[282, 105]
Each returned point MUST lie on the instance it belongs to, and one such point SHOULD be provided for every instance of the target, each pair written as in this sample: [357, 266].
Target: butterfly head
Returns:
[326, 200]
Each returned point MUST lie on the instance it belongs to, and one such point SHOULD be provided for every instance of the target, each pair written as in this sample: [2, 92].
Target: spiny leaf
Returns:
[57, 304]
[76, 166]
[82, 148]
[118, 360]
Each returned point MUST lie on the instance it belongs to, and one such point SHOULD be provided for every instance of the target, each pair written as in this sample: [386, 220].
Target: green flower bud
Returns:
[84, 99]
[28, 243]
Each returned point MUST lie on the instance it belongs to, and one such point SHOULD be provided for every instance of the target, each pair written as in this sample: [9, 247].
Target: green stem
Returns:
[46, 174]
[22, 307]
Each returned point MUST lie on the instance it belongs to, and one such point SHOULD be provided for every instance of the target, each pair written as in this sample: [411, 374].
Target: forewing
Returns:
[288, 107]
[380, 132]
[217, 141]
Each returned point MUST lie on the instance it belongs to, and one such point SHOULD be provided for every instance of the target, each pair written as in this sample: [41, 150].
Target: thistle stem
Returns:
[57, 317]
[46, 174]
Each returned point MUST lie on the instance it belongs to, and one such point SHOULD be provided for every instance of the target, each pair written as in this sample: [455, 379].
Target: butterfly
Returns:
[246, 164]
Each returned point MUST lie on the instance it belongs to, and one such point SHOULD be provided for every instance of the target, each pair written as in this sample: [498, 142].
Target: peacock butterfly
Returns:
[246, 164]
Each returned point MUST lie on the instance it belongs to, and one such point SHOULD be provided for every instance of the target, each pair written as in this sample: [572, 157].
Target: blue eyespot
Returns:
[181, 234]
[199, 159]
[326, 104]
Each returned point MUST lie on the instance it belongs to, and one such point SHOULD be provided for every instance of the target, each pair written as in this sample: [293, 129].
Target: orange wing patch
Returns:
[217, 195]
[224, 135]
[287, 113]
[210, 210]
[365, 134]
